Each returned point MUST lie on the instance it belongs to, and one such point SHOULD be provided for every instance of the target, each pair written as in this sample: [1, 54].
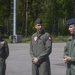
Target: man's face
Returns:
[72, 29]
[38, 27]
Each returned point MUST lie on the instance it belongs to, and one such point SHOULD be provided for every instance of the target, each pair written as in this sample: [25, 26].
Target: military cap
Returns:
[71, 21]
[38, 21]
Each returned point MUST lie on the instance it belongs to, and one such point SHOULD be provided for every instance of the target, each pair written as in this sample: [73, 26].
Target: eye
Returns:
[38, 25]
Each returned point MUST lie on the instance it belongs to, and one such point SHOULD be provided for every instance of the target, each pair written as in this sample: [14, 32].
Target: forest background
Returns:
[54, 14]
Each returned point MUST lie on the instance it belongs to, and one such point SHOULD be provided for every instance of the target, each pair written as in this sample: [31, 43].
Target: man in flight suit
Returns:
[40, 49]
[69, 52]
[4, 52]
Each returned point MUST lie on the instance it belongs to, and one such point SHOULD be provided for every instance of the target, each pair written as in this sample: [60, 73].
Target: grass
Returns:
[54, 39]
[25, 40]
[60, 38]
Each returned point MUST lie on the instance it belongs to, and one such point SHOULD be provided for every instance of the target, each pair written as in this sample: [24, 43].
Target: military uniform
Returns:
[41, 47]
[4, 52]
[69, 50]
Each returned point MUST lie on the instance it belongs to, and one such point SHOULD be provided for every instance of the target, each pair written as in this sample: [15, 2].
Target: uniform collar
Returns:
[42, 32]
[73, 36]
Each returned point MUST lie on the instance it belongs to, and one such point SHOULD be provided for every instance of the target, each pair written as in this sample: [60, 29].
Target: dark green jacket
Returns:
[40, 46]
[4, 53]
[70, 51]
[4, 50]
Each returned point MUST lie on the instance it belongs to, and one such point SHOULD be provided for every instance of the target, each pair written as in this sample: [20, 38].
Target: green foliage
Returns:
[54, 39]
[4, 9]
[60, 38]
[25, 40]
[54, 14]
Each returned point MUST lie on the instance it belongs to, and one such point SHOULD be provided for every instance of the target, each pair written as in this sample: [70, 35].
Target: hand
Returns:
[67, 59]
[35, 60]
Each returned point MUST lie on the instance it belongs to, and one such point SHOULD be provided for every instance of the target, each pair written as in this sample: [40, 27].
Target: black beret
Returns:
[71, 21]
[38, 21]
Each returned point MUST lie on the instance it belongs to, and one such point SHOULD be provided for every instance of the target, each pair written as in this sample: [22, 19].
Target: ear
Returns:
[74, 24]
[35, 26]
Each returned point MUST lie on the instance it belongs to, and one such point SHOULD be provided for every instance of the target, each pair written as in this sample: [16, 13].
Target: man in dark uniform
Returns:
[40, 49]
[4, 52]
[69, 51]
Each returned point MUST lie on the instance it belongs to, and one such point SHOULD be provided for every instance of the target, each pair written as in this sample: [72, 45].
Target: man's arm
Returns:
[66, 50]
[66, 57]
[6, 50]
[48, 46]
[31, 50]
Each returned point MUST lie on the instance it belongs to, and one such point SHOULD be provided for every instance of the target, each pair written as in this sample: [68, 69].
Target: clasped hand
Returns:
[35, 60]
[66, 59]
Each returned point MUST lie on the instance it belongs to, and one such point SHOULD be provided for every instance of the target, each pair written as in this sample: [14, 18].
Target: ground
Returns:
[19, 60]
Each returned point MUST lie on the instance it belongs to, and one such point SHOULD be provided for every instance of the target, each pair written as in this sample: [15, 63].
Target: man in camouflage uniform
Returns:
[40, 49]
[69, 52]
[4, 52]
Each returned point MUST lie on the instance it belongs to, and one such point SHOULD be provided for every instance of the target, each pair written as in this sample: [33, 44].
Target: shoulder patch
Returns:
[49, 38]
[2, 42]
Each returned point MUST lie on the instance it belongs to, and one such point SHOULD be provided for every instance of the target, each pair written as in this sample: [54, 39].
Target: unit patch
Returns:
[35, 38]
[49, 38]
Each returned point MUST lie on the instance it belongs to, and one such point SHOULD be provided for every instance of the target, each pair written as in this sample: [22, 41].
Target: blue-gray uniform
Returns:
[69, 50]
[41, 48]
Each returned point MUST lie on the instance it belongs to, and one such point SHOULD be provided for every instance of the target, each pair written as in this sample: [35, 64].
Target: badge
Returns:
[49, 38]
[35, 38]
[2, 42]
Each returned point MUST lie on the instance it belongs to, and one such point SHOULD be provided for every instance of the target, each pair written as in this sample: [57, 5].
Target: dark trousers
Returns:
[2, 68]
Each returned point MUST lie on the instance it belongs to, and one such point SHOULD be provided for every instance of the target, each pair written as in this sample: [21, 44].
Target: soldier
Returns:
[40, 49]
[4, 52]
[69, 51]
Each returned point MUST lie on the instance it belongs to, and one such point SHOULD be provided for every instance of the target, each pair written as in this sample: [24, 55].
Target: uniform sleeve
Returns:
[72, 58]
[6, 50]
[66, 50]
[48, 46]
[31, 49]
